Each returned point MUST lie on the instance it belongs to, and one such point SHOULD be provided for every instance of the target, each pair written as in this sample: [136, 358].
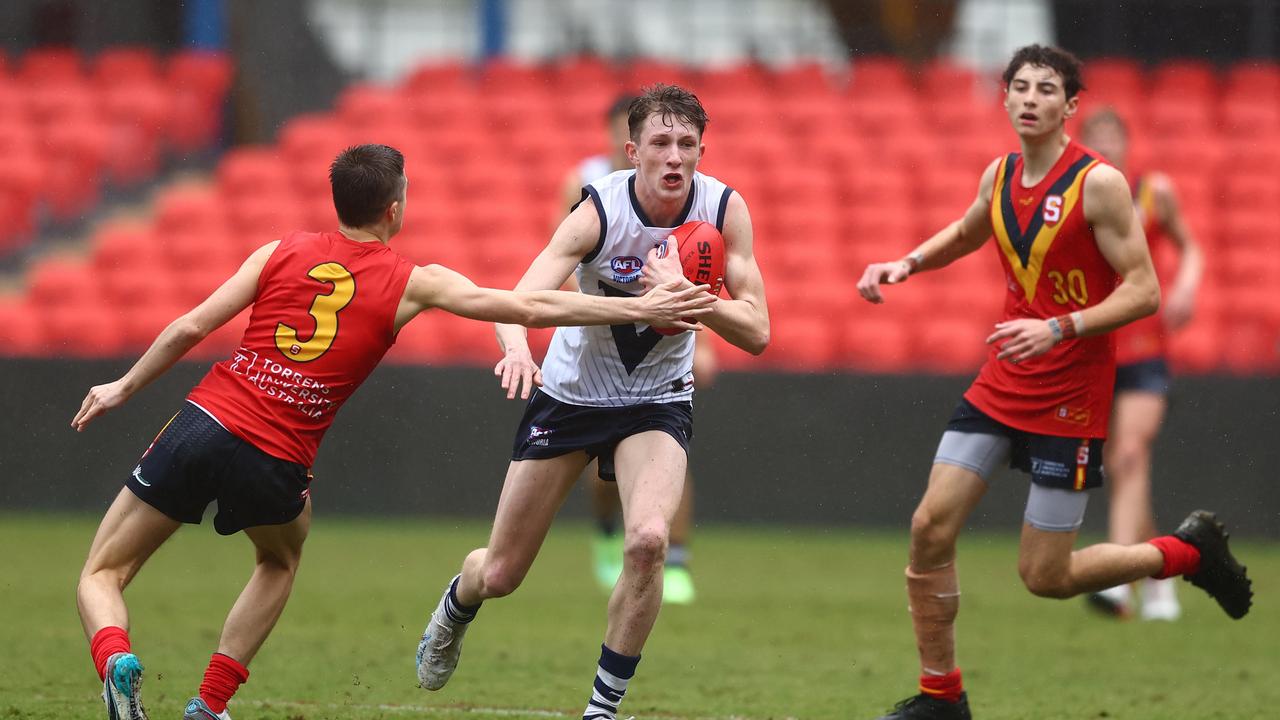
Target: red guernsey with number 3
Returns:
[323, 318]
[1052, 267]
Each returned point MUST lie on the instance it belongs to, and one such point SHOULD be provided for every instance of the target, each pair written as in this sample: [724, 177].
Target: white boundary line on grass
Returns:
[430, 710]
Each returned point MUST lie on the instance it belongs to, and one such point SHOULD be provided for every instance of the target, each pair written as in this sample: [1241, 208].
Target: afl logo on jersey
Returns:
[626, 268]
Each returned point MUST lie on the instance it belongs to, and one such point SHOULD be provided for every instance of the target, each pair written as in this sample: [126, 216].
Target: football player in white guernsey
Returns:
[622, 395]
[606, 543]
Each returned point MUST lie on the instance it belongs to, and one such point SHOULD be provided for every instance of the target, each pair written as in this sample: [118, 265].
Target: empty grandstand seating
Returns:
[71, 126]
[838, 172]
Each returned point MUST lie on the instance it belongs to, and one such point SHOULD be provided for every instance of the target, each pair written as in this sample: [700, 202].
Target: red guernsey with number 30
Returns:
[323, 318]
[1052, 267]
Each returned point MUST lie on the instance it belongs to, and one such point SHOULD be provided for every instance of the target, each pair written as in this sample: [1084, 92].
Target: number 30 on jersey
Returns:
[324, 309]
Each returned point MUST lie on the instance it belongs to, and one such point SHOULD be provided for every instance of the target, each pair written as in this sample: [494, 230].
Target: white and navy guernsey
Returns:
[619, 365]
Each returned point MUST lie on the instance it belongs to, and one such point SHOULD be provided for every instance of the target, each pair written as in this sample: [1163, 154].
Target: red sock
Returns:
[1180, 557]
[107, 642]
[944, 687]
[221, 680]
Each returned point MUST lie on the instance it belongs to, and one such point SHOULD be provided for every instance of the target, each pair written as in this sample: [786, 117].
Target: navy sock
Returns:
[458, 612]
[612, 676]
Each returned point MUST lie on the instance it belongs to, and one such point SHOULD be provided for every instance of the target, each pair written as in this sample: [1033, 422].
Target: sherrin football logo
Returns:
[626, 268]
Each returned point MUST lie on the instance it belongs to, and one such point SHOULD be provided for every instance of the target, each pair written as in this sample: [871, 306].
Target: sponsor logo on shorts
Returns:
[538, 436]
[1049, 468]
[626, 268]
[137, 475]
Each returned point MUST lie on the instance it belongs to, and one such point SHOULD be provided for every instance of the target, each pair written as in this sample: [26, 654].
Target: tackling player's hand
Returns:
[662, 265]
[668, 305]
[1024, 338]
[876, 273]
[518, 372]
[100, 399]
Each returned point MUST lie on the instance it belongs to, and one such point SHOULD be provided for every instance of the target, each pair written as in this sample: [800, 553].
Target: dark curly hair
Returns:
[1056, 59]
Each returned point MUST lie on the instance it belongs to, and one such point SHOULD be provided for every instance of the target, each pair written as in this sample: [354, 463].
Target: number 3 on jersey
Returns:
[324, 309]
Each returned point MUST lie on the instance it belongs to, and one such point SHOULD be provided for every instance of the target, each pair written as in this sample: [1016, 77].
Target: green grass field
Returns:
[789, 624]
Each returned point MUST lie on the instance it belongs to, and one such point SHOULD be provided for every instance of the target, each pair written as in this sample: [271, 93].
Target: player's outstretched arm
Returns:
[435, 286]
[180, 336]
[953, 242]
[1108, 208]
[1181, 301]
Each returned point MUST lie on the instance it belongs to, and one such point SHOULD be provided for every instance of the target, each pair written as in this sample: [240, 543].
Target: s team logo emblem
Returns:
[626, 268]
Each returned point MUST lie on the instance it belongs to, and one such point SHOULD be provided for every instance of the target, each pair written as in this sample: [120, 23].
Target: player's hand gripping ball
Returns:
[700, 248]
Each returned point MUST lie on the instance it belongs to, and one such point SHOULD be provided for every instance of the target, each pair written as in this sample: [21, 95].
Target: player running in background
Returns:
[1076, 267]
[1142, 371]
[621, 394]
[326, 308]
[606, 546]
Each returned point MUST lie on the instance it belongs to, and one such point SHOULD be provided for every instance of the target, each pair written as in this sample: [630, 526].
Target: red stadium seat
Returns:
[1192, 79]
[75, 155]
[802, 341]
[50, 65]
[24, 329]
[135, 115]
[804, 79]
[1259, 78]
[56, 283]
[362, 104]
[643, 72]
[879, 76]
[198, 82]
[253, 171]
[875, 342]
[1114, 77]
[126, 65]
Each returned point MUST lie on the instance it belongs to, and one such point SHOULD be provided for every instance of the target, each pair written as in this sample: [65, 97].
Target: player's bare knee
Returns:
[645, 547]
[930, 536]
[500, 578]
[1127, 457]
[1045, 582]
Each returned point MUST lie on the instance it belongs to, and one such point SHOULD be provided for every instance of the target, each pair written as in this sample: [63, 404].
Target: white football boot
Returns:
[440, 646]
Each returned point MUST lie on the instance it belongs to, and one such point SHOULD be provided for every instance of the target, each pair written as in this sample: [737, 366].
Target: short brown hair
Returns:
[365, 180]
[670, 101]
[1056, 59]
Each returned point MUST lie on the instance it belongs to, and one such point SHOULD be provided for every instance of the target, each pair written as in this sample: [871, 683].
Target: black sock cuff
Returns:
[619, 666]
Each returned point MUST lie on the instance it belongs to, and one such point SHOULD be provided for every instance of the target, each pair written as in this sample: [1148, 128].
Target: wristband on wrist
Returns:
[1077, 318]
[914, 261]
[1065, 327]
[1055, 327]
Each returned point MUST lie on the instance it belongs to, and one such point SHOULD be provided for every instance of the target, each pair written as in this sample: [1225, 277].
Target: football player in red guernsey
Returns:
[1142, 371]
[325, 308]
[1076, 267]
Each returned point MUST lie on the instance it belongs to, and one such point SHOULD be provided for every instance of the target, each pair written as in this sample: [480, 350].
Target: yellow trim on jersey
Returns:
[1029, 276]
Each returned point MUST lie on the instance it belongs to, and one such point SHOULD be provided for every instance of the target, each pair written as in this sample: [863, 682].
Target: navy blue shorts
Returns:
[551, 428]
[194, 461]
[1150, 376]
[1056, 462]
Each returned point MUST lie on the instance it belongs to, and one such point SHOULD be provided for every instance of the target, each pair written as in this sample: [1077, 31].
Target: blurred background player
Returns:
[1142, 367]
[326, 308]
[622, 394]
[606, 545]
[1076, 267]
